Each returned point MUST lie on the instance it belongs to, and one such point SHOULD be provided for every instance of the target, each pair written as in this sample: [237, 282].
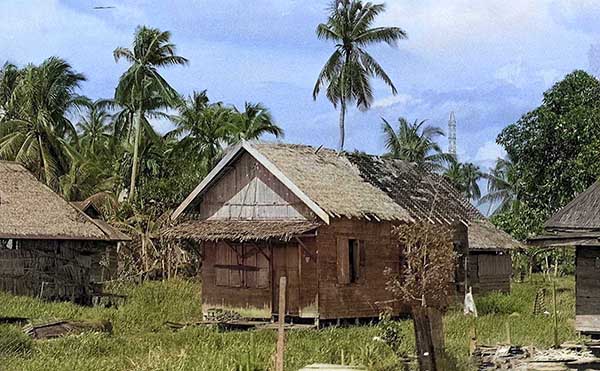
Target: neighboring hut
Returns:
[320, 218]
[578, 224]
[489, 265]
[48, 247]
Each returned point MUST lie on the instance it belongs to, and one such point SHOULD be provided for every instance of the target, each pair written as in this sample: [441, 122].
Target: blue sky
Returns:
[489, 61]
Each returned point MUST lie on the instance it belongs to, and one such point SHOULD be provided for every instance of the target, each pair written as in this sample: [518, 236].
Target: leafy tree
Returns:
[555, 152]
[347, 73]
[415, 143]
[38, 132]
[151, 50]
[252, 123]
[500, 186]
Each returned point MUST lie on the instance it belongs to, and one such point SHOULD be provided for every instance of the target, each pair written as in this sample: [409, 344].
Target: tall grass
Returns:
[141, 342]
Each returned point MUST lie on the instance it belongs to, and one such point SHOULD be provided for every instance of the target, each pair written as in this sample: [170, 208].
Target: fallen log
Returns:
[63, 328]
[14, 320]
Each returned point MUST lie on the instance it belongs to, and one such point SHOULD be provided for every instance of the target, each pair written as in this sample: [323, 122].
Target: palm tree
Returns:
[415, 143]
[38, 132]
[141, 82]
[255, 121]
[94, 128]
[348, 71]
[204, 127]
[500, 186]
[465, 177]
[9, 77]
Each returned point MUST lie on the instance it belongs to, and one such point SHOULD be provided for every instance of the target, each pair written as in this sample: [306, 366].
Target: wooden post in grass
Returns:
[281, 329]
[555, 314]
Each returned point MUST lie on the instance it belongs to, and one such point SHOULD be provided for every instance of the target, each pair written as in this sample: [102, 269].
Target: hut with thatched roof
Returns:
[48, 247]
[578, 224]
[322, 219]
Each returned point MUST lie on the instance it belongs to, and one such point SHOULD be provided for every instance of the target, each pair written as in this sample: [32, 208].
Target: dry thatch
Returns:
[370, 187]
[582, 213]
[483, 235]
[239, 230]
[31, 210]
[332, 182]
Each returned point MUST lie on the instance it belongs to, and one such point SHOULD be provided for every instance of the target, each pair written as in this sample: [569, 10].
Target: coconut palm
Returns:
[38, 133]
[255, 121]
[500, 186]
[465, 178]
[347, 73]
[204, 127]
[9, 77]
[416, 143]
[151, 50]
[94, 128]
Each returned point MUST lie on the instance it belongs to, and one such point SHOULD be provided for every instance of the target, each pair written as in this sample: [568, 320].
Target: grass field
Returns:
[140, 341]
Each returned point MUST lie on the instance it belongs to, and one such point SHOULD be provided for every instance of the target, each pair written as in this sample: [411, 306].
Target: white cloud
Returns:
[488, 153]
[399, 99]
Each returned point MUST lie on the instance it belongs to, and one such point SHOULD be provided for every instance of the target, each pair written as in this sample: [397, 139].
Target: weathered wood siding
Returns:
[254, 301]
[363, 298]
[249, 191]
[57, 270]
[489, 271]
[587, 289]
[495, 271]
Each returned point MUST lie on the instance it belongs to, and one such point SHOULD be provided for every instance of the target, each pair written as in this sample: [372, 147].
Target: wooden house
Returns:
[48, 247]
[578, 224]
[489, 265]
[322, 219]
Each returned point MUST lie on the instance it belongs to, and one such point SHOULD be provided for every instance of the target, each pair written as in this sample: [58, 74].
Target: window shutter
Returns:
[343, 261]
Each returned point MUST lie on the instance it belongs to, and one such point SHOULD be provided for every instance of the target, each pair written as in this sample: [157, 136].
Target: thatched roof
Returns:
[582, 213]
[483, 235]
[240, 230]
[358, 186]
[31, 210]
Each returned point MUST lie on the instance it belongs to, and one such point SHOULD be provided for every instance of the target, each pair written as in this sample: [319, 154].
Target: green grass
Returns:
[140, 341]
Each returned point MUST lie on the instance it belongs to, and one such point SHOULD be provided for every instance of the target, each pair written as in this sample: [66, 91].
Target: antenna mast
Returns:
[452, 135]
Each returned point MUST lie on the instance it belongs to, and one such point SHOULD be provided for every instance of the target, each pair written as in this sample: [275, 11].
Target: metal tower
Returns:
[452, 134]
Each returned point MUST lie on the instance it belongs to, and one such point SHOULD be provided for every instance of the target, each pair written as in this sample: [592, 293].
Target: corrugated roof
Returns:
[583, 212]
[31, 210]
[239, 230]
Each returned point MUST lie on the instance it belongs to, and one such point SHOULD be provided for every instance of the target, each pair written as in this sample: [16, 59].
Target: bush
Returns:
[13, 341]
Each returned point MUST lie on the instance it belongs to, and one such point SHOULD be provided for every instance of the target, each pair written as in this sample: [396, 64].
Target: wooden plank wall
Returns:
[57, 270]
[248, 191]
[494, 272]
[358, 299]
[252, 302]
[587, 289]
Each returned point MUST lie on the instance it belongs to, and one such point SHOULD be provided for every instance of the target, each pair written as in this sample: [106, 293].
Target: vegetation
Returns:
[415, 143]
[347, 73]
[554, 150]
[140, 341]
[465, 178]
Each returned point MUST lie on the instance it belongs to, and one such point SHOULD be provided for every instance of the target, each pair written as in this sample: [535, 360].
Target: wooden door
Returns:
[285, 264]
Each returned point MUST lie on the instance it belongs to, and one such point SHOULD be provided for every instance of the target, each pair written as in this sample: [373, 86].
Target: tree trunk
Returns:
[429, 336]
[136, 149]
[342, 121]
